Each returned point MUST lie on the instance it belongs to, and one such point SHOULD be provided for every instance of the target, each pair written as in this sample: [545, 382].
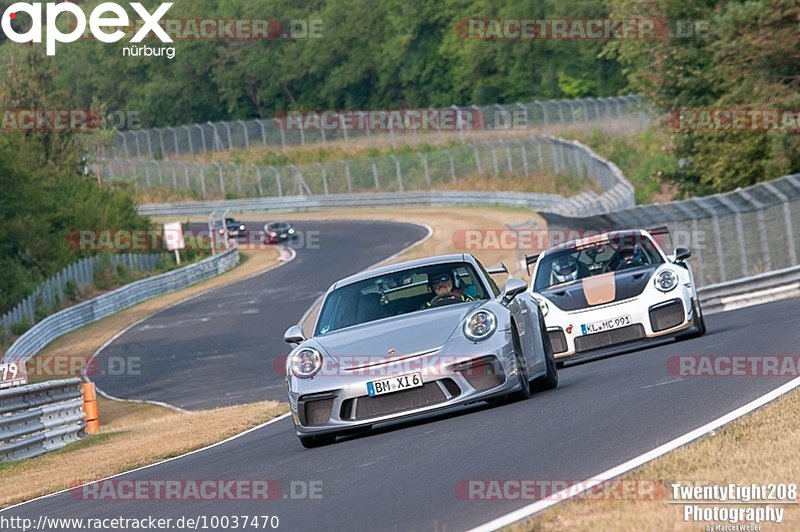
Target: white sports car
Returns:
[614, 288]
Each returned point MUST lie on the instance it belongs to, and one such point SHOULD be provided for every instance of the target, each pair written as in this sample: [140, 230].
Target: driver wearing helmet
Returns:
[630, 258]
[442, 286]
[565, 269]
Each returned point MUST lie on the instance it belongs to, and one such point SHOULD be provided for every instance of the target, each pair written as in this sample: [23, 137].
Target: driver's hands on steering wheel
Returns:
[446, 299]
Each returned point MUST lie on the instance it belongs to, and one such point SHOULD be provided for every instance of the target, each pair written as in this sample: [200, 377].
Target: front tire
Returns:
[550, 379]
[522, 370]
[699, 323]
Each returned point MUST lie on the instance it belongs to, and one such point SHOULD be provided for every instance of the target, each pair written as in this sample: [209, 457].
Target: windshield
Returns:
[399, 293]
[278, 227]
[595, 258]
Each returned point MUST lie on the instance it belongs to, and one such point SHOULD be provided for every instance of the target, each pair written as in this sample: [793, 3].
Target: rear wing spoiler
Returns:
[661, 230]
[497, 270]
[530, 259]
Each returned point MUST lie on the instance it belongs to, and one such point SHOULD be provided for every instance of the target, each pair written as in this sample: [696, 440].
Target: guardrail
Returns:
[38, 418]
[732, 235]
[752, 290]
[54, 290]
[75, 317]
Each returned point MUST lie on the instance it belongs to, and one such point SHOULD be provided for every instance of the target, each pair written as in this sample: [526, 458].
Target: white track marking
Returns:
[633, 463]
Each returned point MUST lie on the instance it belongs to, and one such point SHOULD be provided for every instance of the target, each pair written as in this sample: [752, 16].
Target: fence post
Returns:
[399, 173]
[787, 221]
[246, 135]
[452, 166]
[375, 174]
[258, 176]
[188, 130]
[263, 132]
[324, 177]
[524, 154]
[348, 176]
[221, 178]
[277, 180]
[425, 167]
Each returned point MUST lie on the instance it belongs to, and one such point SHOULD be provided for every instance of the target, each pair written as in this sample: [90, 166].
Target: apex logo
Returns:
[99, 22]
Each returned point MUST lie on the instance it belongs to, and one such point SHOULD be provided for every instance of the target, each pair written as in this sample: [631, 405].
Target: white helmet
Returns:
[565, 268]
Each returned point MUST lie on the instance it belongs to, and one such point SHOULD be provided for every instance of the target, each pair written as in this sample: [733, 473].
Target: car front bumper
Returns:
[650, 317]
[339, 401]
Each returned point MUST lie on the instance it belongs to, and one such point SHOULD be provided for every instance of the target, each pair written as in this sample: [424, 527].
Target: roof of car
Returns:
[570, 244]
[416, 263]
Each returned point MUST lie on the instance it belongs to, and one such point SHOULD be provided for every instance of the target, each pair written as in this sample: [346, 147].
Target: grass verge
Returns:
[760, 448]
[132, 434]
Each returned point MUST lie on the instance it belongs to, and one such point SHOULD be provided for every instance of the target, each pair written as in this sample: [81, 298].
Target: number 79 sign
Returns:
[13, 374]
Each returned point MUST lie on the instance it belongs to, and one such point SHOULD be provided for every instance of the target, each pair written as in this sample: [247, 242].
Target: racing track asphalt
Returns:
[404, 477]
[224, 347]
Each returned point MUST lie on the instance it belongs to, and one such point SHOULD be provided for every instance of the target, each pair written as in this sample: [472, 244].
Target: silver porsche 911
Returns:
[411, 338]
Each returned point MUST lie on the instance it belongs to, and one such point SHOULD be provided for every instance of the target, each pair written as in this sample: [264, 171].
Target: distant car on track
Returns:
[234, 227]
[275, 232]
[614, 288]
[411, 338]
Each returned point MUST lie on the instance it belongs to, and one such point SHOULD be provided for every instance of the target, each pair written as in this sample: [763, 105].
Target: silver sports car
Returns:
[410, 338]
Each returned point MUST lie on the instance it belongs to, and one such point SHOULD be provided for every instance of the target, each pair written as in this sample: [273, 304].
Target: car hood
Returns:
[394, 338]
[589, 292]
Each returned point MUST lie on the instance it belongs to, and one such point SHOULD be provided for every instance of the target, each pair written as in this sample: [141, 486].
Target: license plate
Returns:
[394, 384]
[606, 325]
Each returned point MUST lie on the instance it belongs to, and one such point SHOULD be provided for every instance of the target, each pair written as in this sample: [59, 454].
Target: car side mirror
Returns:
[512, 289]
[294, 335]
[681, 254]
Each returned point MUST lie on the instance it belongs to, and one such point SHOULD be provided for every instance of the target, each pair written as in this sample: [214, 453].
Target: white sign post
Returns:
[173, 237]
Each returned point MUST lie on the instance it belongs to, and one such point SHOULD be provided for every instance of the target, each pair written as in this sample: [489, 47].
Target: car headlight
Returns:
[543, 306]
[291, 231]
[306, 363]
[666, 280]
[221, 231]
[241, 227]
[480, 325]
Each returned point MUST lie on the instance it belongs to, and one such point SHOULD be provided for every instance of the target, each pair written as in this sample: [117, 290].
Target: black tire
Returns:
[550, 379]
[311, 442]
[699, 323]
[522, 370]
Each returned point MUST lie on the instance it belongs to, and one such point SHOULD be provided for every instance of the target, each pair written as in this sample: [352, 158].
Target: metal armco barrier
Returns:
[38, 418]
[761, 288]
[75, 317]
[82, 272]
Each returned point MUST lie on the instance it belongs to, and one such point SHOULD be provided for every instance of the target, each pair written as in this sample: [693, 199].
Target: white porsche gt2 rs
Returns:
[614, 288]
